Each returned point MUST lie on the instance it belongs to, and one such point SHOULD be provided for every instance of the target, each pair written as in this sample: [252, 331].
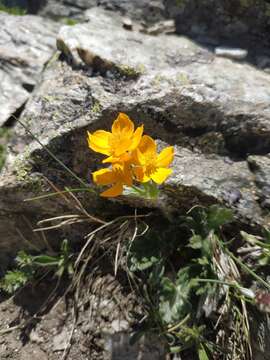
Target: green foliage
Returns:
[261, 242]
[69, 21]
[204, 220]
[147, 190]
[14, 280]
[31, 267]
[174, 296]
[153, 248]
[188, 272]
[12, 10]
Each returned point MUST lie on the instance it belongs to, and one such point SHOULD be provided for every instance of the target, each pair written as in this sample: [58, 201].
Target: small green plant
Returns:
[14, 280]
[29, 267]
[185, 276]
[262, 244]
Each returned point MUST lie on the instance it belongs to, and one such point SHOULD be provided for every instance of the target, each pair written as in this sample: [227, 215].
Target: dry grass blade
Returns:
[83, 210]
[72, 216]
[68, 222]
[58, 191]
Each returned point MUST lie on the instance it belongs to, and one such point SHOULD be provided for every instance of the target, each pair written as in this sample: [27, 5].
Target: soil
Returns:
[103, 317]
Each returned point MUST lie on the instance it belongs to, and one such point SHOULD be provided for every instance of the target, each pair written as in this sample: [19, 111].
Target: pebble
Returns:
[231, 53]
[60, 341]
[127, 24]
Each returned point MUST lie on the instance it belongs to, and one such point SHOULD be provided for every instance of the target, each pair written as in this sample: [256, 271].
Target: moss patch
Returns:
[13, 10]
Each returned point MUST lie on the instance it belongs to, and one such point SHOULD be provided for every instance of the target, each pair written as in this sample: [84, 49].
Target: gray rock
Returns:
[263, 62]
[162, 27]
[235, 21]
[127, 23]
[213, 178]
[211, 109]
[118, 346]
[60, 341]
[142, 10]
[66, 9]
[260, 165]
[27, 43]
[119, 325]
[231, 53]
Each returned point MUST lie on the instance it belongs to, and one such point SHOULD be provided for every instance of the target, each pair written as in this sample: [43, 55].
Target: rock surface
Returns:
[143, 10]
[238, 21]
[215, 111]
[26, 44]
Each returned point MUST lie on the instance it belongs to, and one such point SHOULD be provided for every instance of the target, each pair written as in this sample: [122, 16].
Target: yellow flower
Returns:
[118, 176]
[149, 164]
[119, 143]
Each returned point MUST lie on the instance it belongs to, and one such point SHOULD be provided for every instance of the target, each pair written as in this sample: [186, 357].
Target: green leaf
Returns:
[202, 353]
[175, 349]
[13, 280]
[203, 261]
[266, 233]
[146, 251]
[46, 260]
[195, 242]
[264, 260]
[251, 239]
[218, 216]
[147, 190]
[174, 301]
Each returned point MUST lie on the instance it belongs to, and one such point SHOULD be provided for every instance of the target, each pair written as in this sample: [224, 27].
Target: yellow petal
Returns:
[123, 146]
[99, 141]
[140, 174]
[111, 159]
[160, 175]
[136, 138]
[165, 158]
[127, 176]
[139, 158]
[147, 145]
[114, 191]
[123, 125]
[104, 177]
[126, 157]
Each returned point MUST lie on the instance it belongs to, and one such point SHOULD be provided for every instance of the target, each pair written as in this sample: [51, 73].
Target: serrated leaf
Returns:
[13, 280]
[218, 216]
[174, 301]
[195, 242]
[24, 259]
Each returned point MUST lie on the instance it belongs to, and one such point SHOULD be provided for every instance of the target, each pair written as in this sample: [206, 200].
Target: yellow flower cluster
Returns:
[132, 155]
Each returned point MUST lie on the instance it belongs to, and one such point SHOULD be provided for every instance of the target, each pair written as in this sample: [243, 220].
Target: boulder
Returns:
[27, 43]
[213, 110]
